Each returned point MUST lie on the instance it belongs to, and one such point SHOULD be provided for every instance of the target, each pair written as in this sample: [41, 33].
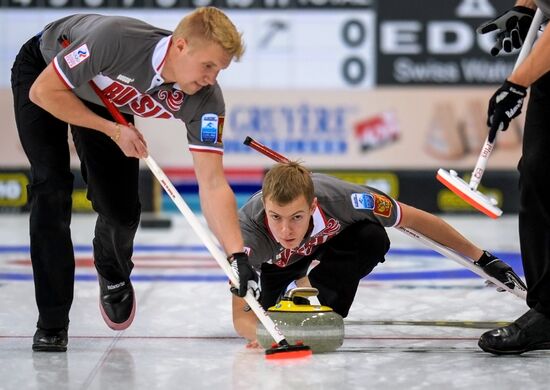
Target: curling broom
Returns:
[282, 349]
[468, 191]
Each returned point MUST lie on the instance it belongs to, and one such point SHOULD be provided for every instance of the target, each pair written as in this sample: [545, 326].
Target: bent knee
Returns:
[374, 239]
[121, 217]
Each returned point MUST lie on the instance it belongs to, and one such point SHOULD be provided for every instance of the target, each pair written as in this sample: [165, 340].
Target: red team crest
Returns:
[220, 128]
[382, 205]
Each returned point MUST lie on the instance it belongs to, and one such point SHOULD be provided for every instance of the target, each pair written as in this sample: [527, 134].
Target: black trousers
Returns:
[112, 180]
[343, 262]
[534, 185]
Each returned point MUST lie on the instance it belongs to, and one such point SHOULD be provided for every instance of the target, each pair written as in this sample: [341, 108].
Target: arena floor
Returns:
[414, 324]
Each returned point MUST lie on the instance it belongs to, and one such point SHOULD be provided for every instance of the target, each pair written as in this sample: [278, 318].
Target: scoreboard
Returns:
[311, 44]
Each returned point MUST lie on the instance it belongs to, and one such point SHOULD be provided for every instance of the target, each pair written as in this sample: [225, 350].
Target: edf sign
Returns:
[437, 44]
[439, 37]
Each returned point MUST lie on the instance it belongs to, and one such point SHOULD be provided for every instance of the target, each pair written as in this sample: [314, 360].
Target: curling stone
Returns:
[317, 326]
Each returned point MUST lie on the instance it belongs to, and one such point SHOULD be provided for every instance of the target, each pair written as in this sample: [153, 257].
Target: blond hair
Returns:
[286, 182]
[211, 24]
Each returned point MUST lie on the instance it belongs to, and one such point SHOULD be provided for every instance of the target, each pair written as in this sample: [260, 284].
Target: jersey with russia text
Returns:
[125, 57]
[340, 204]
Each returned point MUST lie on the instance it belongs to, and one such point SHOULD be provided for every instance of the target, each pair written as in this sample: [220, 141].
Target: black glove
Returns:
[248, 278]
[512, 27]
[501, 271]
[504, 105]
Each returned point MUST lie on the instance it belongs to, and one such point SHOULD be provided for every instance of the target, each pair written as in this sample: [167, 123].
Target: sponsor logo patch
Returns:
[382, 205]
[115, 286]
[77, 56]
[125, 79]
[209, 128]
[362, 201]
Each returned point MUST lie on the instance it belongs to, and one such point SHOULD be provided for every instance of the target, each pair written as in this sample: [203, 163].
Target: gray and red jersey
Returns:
[339, 205]
[125, 57]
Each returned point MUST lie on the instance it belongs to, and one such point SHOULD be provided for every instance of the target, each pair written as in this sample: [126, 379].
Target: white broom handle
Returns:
[488, 147]
[460, 259]
[207, 240]
[529, 38]
[481, 164]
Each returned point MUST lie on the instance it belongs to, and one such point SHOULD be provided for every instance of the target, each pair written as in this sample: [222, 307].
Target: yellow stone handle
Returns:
[303, 292]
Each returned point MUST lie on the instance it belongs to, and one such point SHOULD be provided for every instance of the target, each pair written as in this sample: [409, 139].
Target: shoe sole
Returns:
[122, 325]
[534, 347]
[48, 348]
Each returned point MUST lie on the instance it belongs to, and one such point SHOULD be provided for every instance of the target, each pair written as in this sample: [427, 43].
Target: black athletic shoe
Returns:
[530, 332]
[50, 340]
[117, 303]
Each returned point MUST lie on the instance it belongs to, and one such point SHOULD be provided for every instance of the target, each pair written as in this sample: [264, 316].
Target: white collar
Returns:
[159, 59]
[319, 221]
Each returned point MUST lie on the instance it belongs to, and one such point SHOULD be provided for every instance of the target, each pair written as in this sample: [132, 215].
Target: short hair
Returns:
[211, 24]
[286, 182]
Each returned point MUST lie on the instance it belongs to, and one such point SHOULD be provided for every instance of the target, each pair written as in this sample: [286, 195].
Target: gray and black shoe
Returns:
[117, 303]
